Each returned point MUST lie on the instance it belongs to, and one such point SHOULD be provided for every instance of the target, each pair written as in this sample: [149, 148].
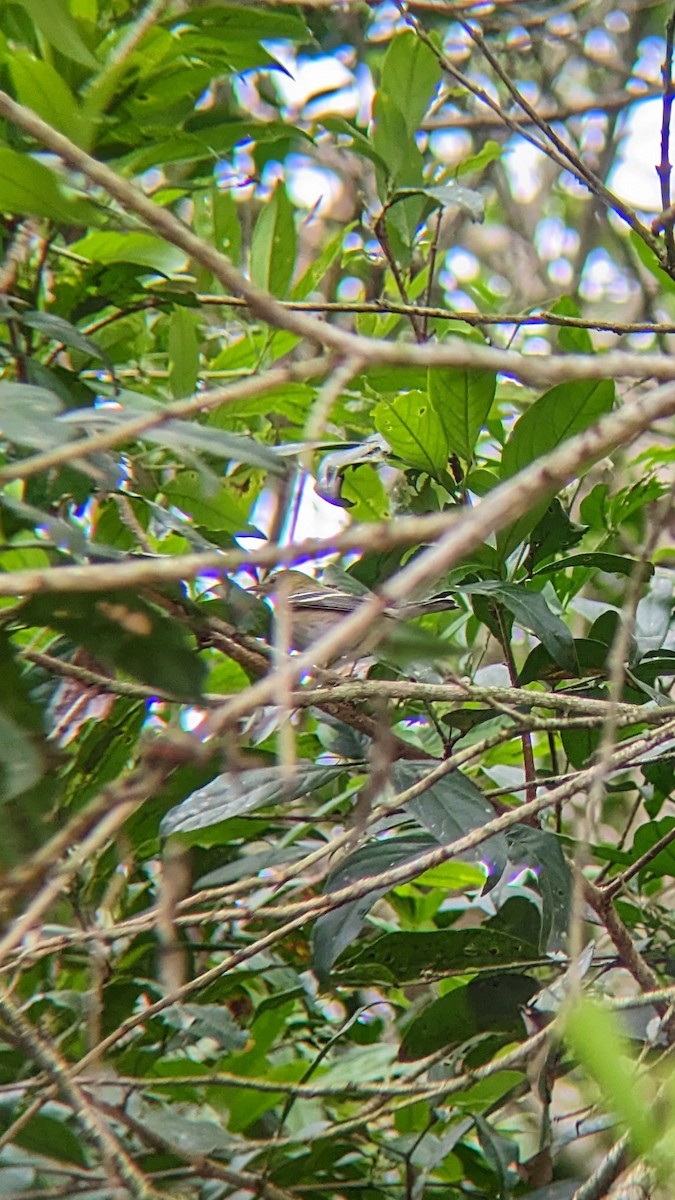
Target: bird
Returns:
[314, 608]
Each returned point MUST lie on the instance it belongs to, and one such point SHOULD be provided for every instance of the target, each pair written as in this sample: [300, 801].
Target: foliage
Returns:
[353, 288]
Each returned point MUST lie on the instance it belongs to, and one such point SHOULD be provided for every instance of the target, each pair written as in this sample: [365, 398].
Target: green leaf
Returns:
[556, 416]
[143, 249]
[531, 612]
[124, 630]
[394, 145]
[570, 338]
[21, 764]
[481, 1006]
[274, 244]
[27, 187]
[590, 659]
[213, 508]
[554, 532]
[59, 29]
[226, 224]
[580, 745]
[450, 808]
[45, 1135]
[462, 398]
[410, 76]
[183, 353]
[541, 852]
[334, 931]
[663, 864]
[417, 957]
[39, 86]
[597, 560]
[593, 1035]
[489, 152]
[414, 430]
[58, 329]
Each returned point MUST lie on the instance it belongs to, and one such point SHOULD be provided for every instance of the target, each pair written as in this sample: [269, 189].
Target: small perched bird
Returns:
[314, 608]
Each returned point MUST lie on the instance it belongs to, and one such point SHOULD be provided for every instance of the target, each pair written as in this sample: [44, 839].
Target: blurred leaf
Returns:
[125, 631]
[28, 188]
[183, 353]
[273, 247]
[60, 330]
[58, 27]
[40, 86]
[653, 615]
[28, 416]
[593, 1034]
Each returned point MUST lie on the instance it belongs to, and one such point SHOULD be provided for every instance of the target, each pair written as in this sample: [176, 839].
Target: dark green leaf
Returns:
[125, 631]
[416, 957]
[531, 612]
[334, 931]
[541, 852]
[481, 1006]
[60, 330]
[553, 533]
[590, 659]
[451, 808]
[597, 560]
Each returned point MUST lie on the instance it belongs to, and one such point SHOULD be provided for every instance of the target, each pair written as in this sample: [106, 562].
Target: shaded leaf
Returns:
[122, 629]
[237, 792]
[541, 852]
[531, 611]
[415, 957]
[481, 1006]
[334, 931]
